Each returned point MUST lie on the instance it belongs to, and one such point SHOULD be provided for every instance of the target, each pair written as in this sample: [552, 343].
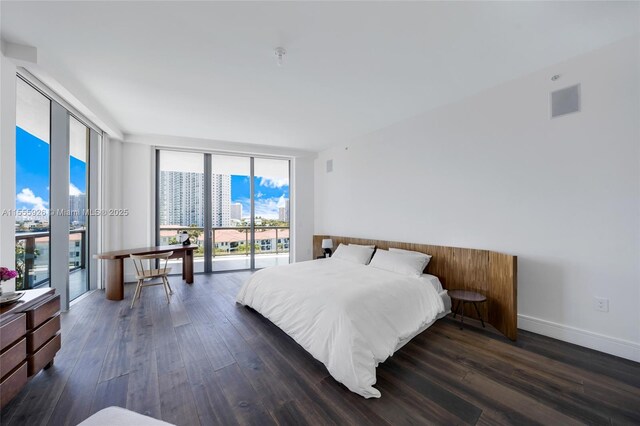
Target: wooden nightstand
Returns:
[464, 296]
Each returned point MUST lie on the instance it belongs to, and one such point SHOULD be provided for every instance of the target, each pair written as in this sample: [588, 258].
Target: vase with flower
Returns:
[6, 274]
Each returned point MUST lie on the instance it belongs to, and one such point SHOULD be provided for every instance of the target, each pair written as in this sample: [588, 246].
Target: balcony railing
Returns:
[31, 246]
[266, 237]
[235, 240]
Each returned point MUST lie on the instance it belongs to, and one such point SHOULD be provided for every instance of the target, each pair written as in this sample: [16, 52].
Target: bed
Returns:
[491, 273]
[347, 315]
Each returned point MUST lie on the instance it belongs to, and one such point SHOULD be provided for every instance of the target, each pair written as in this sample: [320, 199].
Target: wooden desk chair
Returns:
[148, 272]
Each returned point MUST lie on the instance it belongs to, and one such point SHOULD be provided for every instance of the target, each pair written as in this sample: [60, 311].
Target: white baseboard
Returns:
[599, 342]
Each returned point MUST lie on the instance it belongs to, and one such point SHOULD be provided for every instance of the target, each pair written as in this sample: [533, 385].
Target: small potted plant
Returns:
[6, 274]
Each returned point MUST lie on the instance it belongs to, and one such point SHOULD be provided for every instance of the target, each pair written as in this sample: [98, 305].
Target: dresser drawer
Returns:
[12, 330]
[12, 384]
[44, 355]
[40, 335]
[41, 313]
[12, 356]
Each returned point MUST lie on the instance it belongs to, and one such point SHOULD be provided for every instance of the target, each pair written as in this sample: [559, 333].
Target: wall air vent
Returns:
[565, 101]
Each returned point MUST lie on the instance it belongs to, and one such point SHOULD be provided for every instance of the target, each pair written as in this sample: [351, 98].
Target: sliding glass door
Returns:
[78, 206]
[181, 202]
[53, 241]
[33, 180]
[271, 208]
[230, 212]
[243, 207]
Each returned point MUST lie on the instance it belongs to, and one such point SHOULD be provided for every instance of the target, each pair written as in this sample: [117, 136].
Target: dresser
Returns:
[29, 339]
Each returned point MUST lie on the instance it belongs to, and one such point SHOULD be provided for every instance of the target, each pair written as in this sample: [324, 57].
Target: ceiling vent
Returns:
[565, 101]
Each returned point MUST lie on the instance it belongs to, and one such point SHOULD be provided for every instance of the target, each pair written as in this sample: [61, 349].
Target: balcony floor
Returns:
[233, 263]
[77, 283]
[229, 263]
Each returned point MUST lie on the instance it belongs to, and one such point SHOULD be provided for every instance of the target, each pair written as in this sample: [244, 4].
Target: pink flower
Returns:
[7, 274]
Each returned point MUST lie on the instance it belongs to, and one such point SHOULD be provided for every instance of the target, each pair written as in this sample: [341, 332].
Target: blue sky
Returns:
[32, 172]
[269, 195]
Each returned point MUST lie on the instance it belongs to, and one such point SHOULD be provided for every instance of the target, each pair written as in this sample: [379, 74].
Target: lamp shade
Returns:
[327, 243]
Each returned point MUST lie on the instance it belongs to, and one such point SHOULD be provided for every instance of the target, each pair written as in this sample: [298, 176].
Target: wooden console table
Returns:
[29, 339]
[114, 287]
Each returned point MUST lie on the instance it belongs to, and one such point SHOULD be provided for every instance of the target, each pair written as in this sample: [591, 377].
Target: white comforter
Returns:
[349, 316]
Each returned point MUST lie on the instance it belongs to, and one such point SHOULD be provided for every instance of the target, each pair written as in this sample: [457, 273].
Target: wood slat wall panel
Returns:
[490, 273]
[503, 306]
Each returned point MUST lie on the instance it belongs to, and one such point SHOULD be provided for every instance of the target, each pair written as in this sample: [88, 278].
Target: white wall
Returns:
[495, 172]
[137, 197]
[302, 188]
[112, 182]
[7, 165]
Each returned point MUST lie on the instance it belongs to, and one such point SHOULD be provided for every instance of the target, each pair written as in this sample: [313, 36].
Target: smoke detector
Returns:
[280, 52]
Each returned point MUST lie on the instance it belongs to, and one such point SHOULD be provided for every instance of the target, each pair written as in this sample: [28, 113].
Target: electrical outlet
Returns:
[600, 304]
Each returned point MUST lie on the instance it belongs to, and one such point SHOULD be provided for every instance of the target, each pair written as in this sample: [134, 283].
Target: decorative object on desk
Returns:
[6, 274]
[327, 245]
[183, 237]
[10, 297]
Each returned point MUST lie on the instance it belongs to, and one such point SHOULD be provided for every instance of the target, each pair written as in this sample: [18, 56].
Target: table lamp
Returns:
[327, 245]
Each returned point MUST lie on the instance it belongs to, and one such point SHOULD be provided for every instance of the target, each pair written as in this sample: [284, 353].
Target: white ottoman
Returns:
[117, 416]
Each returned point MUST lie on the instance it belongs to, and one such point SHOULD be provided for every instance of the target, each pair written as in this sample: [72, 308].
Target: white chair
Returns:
[148, 272]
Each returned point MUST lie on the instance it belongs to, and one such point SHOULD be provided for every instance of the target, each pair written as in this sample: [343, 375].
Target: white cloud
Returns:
[267, 208]
[282, 201]
[73, 190]
[27, 196]
[274, 183]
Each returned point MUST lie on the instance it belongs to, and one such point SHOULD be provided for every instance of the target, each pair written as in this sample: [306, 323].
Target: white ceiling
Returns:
[208, 70]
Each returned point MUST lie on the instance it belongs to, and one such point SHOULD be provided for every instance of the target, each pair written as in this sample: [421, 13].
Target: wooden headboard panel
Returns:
[490, 273]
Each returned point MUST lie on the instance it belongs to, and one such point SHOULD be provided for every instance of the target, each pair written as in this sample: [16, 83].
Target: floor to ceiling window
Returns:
[239, 207]
[33, 123]
[230, 212]
[54, 150]
[181, 198]
[78, 206]
[271, 200]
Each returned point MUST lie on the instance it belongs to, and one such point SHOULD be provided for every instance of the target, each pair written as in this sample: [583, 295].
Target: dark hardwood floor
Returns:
[204, 360]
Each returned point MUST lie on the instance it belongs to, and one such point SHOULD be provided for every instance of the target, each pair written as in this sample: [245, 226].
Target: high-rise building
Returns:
[283, 211]
[77, 205]
[182, 199]
[221, 200]
[236, 211]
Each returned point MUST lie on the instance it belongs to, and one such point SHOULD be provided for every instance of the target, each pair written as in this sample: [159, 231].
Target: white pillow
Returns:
[399, 263]
[352, 253]
[360, 245]
[412, 253]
